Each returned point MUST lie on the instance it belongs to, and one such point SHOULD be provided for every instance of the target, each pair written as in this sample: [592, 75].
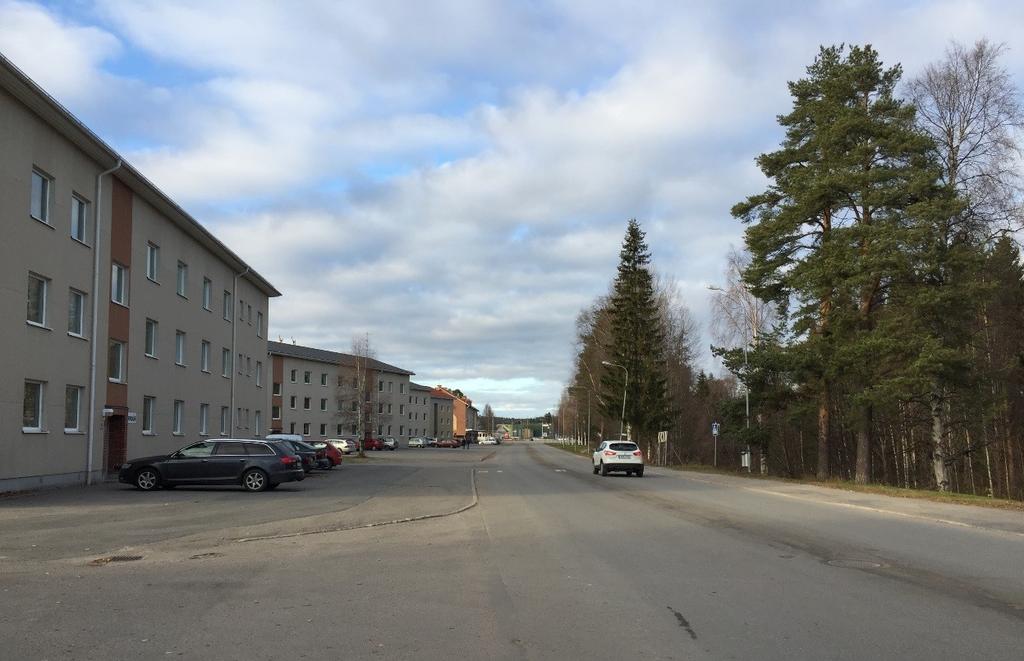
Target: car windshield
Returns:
[623, 447]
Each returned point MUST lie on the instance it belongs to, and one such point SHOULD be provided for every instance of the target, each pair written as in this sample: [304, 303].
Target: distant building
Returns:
[442, 416]
[420, 409]
[461, 414]
[326, 394]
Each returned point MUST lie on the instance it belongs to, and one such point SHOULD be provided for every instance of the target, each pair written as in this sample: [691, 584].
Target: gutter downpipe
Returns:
[93, 340]
[234, 333]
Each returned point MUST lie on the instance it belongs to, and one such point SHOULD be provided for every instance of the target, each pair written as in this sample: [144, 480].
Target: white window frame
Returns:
[180, 347]
[75, 428]
[207, 294]
[275, 412]
[292, 402]
[152, 261]
[259, 374]
[181, 279]
[82, 298]
[323, 429]
[43, 300]
[292, 375]
[225, 420]
[79, 219]
[323, 403]
[305, 429]
[121, 350]
[151, 340]
[227, 305]
[307, 377]
[204, 419]
[39, 427]
[323, 379]
[306, 403]
[45, 198]
[225, 363]
[258, 423]
[177, 418]
[204, 356]
[259, 324]
[119, 284]
[148, 413]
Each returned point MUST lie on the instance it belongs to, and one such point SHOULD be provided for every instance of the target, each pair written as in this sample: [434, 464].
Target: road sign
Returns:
[714, 428]
[663, 437]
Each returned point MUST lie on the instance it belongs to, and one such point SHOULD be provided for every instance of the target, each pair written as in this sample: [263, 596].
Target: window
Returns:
[277, 389]
[248, 314]
[227, 305]
[177, 414]
[380, 408]
[40, 206]
[323, 429]
[355, 383]
[37, 286]
[207, 293]
[389, 430]
[119, 284]
[275, 412]
[355, 405]
[248, 366]
[79, 218]
[204, 449]
[259, 324]
[380, 386]
[401, 409]
[241, 310]
[389, 409]
[401, 388]
[293, 376]
[179, 348]
[32, 411]
[151, 329]
[339, 429]
[148, 408]
[240, 363]
[291, 428]
[306, 376]
[115, 362]
[76, 313]
[225, 420]
[323, 378]
[305, 403]
[391, 386]
[204, 356]
[182, 280]
[225, 362]
[259, 374]
[259, 423]
[323, 404]
[204, 419]
[291, 402]
[152, 261]
[72, 408]
[231, 449]
[401, 430]
[305, 429]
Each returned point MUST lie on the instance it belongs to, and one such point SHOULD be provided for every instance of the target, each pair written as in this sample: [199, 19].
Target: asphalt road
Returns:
[548, 562]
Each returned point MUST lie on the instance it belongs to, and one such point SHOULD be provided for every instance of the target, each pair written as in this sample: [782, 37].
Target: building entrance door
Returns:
[115, 441]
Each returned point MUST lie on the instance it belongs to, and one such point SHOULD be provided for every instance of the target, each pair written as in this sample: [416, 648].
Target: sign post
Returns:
[715, 427]
[663, 446]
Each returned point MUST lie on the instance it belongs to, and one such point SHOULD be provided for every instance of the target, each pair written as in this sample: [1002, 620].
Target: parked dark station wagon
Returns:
[253, 464]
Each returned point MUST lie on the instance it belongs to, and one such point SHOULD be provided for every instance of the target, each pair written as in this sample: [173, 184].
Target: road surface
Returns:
[514, 552]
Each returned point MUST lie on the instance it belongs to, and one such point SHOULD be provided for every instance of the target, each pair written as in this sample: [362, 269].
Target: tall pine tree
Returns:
[637, 341]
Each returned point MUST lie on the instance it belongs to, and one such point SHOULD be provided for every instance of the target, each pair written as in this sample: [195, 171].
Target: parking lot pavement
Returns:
[83, 522]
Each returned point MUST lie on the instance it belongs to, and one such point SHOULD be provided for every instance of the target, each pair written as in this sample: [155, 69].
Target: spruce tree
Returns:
[637, 341]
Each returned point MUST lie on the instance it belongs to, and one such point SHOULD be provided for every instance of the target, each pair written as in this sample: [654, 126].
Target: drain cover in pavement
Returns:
[115, 558]
[848, 563]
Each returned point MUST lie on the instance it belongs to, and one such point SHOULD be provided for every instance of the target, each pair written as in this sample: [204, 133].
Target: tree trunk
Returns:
[823, 430]
[863, 475]
[938, 449]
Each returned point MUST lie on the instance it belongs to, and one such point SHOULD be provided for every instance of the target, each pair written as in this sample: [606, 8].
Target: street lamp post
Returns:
[625, 384]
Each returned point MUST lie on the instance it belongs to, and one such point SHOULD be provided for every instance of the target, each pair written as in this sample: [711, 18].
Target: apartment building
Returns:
[442, 414]
[141, 331]
[325, 394]
[463, 413]
[420, 421]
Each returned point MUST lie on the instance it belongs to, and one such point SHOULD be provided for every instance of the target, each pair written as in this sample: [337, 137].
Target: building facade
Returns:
[326, 394]
[442, 414]
[141, 330]
[420, 409]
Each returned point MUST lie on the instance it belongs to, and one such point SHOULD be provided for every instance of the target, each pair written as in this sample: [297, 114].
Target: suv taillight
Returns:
[638, 453]
[288, 461]
[609, 453]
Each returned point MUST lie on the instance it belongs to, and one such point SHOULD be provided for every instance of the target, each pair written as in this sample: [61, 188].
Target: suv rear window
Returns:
[258, 448]
[623, 447]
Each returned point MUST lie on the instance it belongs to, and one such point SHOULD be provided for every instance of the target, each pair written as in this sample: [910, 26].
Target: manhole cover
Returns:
[202, 556]
[115, 558]
[849, 563]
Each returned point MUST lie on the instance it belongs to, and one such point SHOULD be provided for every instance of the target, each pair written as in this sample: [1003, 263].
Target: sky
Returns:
[454, 177]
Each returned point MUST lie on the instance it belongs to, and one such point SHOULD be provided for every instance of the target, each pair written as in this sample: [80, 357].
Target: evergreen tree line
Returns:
[873, 320]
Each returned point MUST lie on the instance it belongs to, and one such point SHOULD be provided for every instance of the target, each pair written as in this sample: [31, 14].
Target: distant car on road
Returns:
[390, 443]
[373, 444]
[418, 442]
[255, 465]
[431, 442]
[345, 445]
[618, 456]
[488, 440]
[306, 452]
[449, 443]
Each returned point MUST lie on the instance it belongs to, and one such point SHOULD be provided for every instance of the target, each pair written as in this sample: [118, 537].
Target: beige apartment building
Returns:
[128, 328]
[326, 394]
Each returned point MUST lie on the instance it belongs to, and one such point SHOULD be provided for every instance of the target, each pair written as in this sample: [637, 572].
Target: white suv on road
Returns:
[619, 456]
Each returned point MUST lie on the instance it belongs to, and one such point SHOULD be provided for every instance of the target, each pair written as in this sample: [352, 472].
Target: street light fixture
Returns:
[625, 384]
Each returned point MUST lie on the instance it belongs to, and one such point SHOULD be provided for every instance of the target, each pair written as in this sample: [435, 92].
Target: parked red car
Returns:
[327, 455]
[373, 444]
[448, 443]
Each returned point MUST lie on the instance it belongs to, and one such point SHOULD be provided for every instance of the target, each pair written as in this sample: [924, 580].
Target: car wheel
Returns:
[604, 470]
[254, 480]
[595, 469]
[147, 479]
[639, 472]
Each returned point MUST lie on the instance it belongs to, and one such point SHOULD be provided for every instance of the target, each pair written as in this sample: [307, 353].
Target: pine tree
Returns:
[637, 341]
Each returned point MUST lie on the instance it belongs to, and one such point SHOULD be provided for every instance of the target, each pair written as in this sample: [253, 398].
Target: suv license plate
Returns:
[625, 456]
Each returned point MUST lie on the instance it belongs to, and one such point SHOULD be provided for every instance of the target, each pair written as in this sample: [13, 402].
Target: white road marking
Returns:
[482, 471]
[559, 470]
